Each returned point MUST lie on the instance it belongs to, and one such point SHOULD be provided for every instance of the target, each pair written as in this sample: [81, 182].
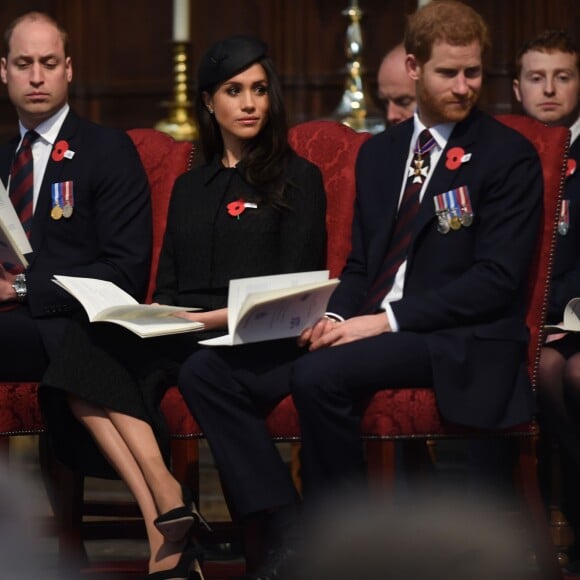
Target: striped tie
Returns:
[403, 230]
[22, 181]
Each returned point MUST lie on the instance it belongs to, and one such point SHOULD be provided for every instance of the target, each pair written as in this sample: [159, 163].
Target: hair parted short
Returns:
[548, 41]
[447, 21]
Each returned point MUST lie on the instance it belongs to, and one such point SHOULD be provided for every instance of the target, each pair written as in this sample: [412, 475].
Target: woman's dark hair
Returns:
[265, 157]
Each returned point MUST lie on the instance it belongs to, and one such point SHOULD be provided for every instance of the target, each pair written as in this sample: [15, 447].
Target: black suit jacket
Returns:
[109, 234]
[565, 283]
[465, 290]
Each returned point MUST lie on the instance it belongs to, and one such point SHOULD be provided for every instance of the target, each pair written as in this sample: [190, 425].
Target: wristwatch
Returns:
[20, 287]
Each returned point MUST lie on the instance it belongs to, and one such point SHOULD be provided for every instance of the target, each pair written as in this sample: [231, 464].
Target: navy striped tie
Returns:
[22, 181]
[403, 230]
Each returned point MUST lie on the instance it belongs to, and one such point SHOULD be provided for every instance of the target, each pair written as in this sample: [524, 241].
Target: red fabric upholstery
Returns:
[333, 147]
[164, 160]
[19, 410]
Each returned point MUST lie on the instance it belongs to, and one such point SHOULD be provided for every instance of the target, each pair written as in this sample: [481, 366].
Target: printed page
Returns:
[269, 307]
[239, 289]
[11, 223]
[571, 322]
[270, 315]
[95, 295]
[157, 325]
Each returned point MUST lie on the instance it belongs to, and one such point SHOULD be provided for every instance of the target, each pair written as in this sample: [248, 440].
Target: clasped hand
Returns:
[326, 332]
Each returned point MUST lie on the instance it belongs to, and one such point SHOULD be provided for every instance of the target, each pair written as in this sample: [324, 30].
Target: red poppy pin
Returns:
[570, 167]
[235, 208]
[238, 207]
[455, 157]
[61, 150]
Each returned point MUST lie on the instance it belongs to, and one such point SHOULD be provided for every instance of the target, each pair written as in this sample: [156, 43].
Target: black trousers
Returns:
[230, 391]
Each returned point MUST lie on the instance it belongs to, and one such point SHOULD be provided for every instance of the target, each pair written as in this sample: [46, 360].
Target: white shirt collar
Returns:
[50, 128]
[440, 133]
[574, 130]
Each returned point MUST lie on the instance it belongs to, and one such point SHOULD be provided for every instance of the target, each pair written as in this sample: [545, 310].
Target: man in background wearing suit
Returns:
[396, 89]
[432, 294]
[547, 84]
[90, 197]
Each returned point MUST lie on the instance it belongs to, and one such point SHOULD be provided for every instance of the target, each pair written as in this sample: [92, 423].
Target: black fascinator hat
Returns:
[227, 58]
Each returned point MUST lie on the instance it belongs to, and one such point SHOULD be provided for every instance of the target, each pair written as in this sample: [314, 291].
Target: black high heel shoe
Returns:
[188, 567]
[176, 523]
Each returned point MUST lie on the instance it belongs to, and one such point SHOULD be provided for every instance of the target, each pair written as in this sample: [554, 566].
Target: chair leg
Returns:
[527, 476]
[65, 489]
[185, 464]
[381, 464]
[4, 447]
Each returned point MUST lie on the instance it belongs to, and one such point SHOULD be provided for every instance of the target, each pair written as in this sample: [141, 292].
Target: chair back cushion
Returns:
[551, 143]
[333, 147]
[164, 160]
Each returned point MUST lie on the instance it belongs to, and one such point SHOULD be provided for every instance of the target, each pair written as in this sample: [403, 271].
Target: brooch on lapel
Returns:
[453, 209]
[455, 157]
[61, 150]
[570, 167]
[238, 207]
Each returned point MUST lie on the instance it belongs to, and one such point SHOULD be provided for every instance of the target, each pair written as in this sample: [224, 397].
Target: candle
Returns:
[181, 20]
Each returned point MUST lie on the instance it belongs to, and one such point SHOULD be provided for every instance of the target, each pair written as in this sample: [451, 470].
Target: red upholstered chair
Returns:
[411, 414]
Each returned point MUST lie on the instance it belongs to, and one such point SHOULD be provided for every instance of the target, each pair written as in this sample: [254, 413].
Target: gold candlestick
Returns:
[352, 110]
[179, 123]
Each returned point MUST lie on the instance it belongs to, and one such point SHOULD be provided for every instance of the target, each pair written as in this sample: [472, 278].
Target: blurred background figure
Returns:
[396, 90]
[430, 537]
[23, 552]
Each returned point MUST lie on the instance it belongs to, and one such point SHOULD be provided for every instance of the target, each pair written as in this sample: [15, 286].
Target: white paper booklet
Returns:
[571, 322]
[13, 240]
[272, 307]
[104, 301]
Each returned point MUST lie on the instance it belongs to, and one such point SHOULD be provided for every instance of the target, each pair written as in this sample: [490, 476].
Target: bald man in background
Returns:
[396, 90]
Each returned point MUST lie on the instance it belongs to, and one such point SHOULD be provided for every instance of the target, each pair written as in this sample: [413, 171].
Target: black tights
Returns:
[559, 405]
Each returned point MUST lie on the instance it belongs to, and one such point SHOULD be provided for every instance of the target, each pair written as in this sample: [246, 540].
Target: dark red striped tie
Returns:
[403, 230]
[22, 181]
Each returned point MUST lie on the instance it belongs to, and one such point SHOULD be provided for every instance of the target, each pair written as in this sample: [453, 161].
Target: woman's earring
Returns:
[210, 110]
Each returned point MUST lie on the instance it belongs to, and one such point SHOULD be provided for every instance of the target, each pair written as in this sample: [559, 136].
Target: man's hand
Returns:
[328, 333]
[7, 292]
[314, 333]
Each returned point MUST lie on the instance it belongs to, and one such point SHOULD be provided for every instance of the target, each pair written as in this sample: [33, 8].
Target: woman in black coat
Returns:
[252, 208]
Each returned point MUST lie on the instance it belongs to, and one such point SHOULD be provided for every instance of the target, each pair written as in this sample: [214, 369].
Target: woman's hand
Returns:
[211, 320]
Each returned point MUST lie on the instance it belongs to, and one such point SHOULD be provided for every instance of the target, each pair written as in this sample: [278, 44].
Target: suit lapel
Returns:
[52, 174]
[444, 178]
[389, 174]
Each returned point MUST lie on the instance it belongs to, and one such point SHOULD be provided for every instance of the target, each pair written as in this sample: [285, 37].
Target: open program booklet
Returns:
[571, 322]
[104, 301]
[13, 241]
[272, 307]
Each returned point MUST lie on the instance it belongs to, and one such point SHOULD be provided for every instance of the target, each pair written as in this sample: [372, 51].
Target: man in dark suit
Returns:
[432, 295]
[92, 214]
[547, 84]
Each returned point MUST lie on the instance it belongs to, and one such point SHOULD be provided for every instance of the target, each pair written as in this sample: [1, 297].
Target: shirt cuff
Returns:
[391, 318]
[333, 316]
